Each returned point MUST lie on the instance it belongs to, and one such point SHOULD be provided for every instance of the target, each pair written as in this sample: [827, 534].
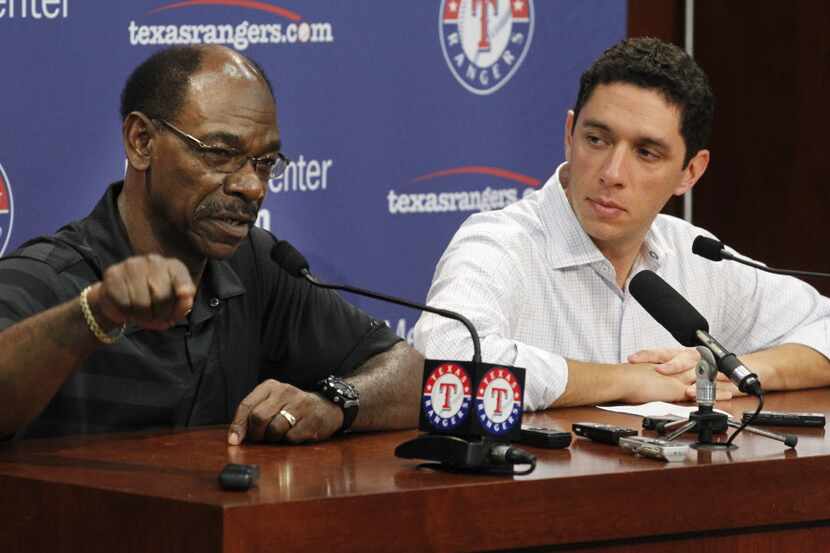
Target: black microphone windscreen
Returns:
[289, 258]
[668, 307]
[708, 248]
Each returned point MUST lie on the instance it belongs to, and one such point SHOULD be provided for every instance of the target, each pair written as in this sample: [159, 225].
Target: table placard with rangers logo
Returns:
[466, 399]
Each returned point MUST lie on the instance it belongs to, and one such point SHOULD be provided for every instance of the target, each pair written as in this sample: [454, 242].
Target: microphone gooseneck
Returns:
[714, 250]
[687, 325]
[287, 257]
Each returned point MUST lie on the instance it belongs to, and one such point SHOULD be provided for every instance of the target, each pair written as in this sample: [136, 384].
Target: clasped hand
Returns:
[680, 363]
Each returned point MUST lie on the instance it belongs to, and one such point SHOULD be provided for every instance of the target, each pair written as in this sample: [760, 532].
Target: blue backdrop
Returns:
[403, 117]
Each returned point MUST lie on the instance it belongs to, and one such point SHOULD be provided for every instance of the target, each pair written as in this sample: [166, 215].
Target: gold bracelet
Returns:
[93, 325]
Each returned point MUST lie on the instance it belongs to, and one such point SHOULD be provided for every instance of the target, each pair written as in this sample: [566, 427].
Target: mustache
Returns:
[233, 209]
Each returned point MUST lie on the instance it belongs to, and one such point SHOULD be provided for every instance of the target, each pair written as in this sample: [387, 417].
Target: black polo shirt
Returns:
[250, 321]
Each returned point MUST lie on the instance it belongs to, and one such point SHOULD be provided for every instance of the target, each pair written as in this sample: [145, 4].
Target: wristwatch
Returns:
[342, 394]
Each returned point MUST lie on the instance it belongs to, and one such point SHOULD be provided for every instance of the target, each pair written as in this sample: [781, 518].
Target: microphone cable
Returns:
[748, 421]
[504, 454]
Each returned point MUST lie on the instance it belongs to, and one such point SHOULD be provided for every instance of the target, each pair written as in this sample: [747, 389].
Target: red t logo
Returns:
[498, 393]
[448, 389]
[484, 43]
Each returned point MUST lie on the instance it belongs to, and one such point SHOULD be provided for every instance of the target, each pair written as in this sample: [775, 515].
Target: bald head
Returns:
[220, 66]
[159, 86]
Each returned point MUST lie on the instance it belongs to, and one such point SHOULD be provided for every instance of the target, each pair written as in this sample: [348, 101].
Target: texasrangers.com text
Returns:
[240, 36]
[441, 202]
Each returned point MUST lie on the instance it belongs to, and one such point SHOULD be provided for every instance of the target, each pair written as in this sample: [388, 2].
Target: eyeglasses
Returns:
[225, 160]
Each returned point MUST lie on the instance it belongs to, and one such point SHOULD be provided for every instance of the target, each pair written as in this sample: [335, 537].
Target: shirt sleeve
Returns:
[761, 310]
[480, 276]
[27, 287]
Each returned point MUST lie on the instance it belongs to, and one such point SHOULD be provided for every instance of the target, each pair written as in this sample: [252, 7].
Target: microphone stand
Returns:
[714, 250]
[482, 454]
[406, 303]
[759, 266]
[705, 420]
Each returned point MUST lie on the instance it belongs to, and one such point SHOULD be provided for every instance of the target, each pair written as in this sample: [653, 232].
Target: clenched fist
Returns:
[148, 290]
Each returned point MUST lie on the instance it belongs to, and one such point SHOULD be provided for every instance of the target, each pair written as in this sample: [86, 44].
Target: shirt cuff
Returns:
[545, 378]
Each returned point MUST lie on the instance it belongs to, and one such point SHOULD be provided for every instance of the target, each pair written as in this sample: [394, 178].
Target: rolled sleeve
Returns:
[763, 310]
[547, 375]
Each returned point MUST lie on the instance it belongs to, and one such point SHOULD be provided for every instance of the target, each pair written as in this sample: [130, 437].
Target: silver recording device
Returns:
[655, 448]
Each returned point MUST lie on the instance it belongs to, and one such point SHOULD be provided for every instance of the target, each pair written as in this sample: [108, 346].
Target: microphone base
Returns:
[455, 454]
[706, 423]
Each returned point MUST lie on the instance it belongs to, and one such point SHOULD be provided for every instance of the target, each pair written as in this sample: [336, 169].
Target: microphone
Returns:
[688, 326]
[287, 257]
[714, 250]
[468, 410]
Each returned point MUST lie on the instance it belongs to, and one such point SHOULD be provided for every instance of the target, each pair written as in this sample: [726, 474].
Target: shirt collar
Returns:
[656, 247]
[571, 246]
[105, 233]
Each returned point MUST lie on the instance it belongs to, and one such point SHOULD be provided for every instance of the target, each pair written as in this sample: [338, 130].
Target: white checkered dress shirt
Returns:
[539, 292]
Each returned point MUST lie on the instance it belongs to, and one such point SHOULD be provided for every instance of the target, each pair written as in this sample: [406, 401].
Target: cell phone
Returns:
[605, 433]
[548, 438]
[238, 477]
[778, 418]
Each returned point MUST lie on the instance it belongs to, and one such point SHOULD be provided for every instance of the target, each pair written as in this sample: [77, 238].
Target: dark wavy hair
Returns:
[656, 65]
[159, 85]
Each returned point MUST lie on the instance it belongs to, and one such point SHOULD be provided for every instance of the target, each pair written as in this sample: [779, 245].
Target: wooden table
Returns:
[159, 492]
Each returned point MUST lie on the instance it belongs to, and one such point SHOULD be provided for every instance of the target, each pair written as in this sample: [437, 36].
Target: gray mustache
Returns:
[241, 210]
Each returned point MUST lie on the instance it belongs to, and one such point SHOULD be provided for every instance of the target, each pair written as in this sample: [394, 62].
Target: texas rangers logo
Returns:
[6, 210]
[447, 396]
[499, 401]
[485, 41]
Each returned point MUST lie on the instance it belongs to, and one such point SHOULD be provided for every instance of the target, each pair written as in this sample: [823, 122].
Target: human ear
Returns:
[568, 139]
[138, 133]
[692, 172]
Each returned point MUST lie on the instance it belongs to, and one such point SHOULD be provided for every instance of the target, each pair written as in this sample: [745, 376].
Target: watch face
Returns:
[344, 390]
[337, 387]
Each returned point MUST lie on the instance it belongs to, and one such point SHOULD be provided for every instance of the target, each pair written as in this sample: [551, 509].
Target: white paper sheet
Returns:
[655, 409]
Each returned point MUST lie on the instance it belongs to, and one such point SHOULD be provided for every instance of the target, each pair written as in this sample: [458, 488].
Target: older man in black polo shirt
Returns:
[163, 307]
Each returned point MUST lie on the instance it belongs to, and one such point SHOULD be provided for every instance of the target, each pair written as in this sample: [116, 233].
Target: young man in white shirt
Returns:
[545, 280]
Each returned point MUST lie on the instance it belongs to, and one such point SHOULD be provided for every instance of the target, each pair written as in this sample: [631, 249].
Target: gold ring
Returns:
[292, 420]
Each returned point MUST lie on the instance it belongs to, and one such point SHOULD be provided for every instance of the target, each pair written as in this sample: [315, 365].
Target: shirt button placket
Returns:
[629, 329]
